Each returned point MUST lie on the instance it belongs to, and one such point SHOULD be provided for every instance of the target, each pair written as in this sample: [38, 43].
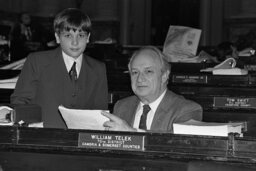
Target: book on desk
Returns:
[193, 127]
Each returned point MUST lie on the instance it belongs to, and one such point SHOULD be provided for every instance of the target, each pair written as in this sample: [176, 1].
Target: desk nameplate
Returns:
[245, 147]
[111, 141]
[181, 78]
[234, 102]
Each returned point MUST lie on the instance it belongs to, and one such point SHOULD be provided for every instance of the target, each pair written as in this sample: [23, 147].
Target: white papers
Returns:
[10, 80]
[232, 71]
[207, 128]
[227, 67]
[83, 119]
[181, 43]
[17, 65]
[229, 63]
[8, 83]
[36, 125]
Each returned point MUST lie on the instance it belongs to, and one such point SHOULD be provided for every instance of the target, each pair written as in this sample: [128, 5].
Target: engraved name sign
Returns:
[202, 79]
[234, 102]
[111, 141]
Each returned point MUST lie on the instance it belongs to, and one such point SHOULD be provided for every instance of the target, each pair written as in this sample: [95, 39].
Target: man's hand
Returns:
[116, 124]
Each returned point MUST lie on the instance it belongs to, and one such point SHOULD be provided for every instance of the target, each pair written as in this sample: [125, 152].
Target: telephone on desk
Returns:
[20, 114]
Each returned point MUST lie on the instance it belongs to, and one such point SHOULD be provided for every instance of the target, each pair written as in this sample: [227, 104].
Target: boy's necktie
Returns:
[73, 73]
[143, 118]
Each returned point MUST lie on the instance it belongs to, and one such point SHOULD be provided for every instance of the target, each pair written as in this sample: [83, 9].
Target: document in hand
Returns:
[208, 128]
[83, 119]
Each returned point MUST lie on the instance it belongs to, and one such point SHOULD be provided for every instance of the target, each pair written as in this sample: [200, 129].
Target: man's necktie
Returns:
[143, 118]
[73, 73]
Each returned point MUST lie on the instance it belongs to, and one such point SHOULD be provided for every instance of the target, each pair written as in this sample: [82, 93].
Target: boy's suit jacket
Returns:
[44, 80]
[172, 108]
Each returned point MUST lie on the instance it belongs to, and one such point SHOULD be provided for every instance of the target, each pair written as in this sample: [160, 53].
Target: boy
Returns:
[45, 79]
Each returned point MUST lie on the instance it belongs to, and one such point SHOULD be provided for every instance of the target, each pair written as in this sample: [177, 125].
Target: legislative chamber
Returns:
[223, 98]
[223, 30]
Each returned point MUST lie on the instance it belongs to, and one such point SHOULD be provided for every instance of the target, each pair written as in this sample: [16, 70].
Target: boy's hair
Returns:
[72, 18]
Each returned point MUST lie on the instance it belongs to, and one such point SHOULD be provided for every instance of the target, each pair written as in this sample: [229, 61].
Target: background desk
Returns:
[202, 91]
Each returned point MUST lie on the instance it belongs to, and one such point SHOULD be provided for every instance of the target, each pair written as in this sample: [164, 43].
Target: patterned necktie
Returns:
[143, 118]
[73, 73]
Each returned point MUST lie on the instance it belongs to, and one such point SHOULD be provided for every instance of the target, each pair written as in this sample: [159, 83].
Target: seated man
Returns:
[149, 73]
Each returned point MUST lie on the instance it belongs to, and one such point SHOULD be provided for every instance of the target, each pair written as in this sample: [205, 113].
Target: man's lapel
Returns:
[161, 112]
[132, 108]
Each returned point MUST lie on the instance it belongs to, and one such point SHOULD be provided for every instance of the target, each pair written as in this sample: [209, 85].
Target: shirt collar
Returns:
[153, 105]
[70, 60]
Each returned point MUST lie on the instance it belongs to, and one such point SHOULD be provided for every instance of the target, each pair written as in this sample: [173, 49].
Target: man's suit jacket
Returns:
[172, 109]
[44, 80]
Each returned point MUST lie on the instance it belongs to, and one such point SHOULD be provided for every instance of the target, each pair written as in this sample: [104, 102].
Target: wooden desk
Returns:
[56, 149]
[224, 98]
[204, 92]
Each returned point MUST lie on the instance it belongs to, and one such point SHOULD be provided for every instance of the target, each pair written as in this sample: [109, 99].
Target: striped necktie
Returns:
[73, 73]
[143, 118]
